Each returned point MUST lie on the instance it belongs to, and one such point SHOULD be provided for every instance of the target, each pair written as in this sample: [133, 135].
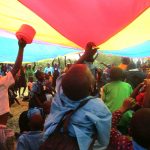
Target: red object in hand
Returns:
[26, 32]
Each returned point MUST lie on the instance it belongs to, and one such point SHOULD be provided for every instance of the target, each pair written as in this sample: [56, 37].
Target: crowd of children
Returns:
[79, 109]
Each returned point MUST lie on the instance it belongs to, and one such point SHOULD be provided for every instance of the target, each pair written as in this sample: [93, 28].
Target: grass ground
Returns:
[16, 110]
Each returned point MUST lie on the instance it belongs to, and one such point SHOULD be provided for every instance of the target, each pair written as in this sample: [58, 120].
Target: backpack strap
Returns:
[68, 116]
[64, 122]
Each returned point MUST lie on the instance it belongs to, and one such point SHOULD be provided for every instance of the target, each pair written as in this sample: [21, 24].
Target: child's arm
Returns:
[117, 140]
[88, 53]
[19, 59]
[136, 90]
[146, 101]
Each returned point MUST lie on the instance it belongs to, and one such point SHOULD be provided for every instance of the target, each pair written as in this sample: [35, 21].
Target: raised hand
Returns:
[127, 104]
[21, 43]
[90, 51]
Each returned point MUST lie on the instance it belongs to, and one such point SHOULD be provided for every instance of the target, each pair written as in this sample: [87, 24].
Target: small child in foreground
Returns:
[139, 129]
[32, 139]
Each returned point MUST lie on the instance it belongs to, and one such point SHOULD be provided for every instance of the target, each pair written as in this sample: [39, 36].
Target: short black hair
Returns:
[77, 82]
[116, 74]
[140, 127]
[125, 60]
[24, 122]
[36, 122]
[38, 73]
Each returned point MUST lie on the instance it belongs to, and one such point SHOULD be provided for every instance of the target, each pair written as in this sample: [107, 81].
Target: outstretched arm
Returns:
[136, 90]
[117, 140]
[58, 62]
[34, 66]
[89, 52]
[53, 62]
[105, 65]
[19, 59]
[70, 61]
[96, 56]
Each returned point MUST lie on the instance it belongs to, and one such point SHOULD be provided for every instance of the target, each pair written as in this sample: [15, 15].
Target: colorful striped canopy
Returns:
[118, 27]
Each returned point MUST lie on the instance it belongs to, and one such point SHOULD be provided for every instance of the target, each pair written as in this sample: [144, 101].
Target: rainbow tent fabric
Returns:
[118, 27]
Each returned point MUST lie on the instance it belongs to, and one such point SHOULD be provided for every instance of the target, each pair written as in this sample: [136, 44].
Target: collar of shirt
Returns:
[134, 69]
[136, 146]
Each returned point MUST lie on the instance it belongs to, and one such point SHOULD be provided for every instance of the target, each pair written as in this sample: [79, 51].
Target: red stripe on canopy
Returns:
[87, 20]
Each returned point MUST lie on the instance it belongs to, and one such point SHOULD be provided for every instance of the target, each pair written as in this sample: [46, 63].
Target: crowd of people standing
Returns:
[80, 108]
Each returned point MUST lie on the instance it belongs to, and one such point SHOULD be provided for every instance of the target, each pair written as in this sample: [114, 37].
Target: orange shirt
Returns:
[123, 66]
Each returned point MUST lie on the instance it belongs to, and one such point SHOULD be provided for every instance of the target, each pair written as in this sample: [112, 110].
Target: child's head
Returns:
[140, 127]
[36, 121]
[125, 60]
[39, 75]
[55, 65]
[48, 65]
[29, 66]
[116, 74]
[24, 122]
[77, 82]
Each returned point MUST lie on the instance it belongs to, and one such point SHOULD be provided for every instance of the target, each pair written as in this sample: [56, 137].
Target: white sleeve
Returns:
[7, 80]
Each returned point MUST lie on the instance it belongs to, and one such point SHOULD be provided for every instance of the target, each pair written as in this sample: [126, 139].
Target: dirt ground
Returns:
[16, 110]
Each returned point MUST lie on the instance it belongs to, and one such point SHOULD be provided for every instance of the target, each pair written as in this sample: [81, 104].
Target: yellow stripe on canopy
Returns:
[135, 33]
[13, 14]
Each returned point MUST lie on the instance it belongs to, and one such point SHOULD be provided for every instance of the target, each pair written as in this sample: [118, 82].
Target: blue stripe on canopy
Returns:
[138, 51]
[33, 52]
[39, 51]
